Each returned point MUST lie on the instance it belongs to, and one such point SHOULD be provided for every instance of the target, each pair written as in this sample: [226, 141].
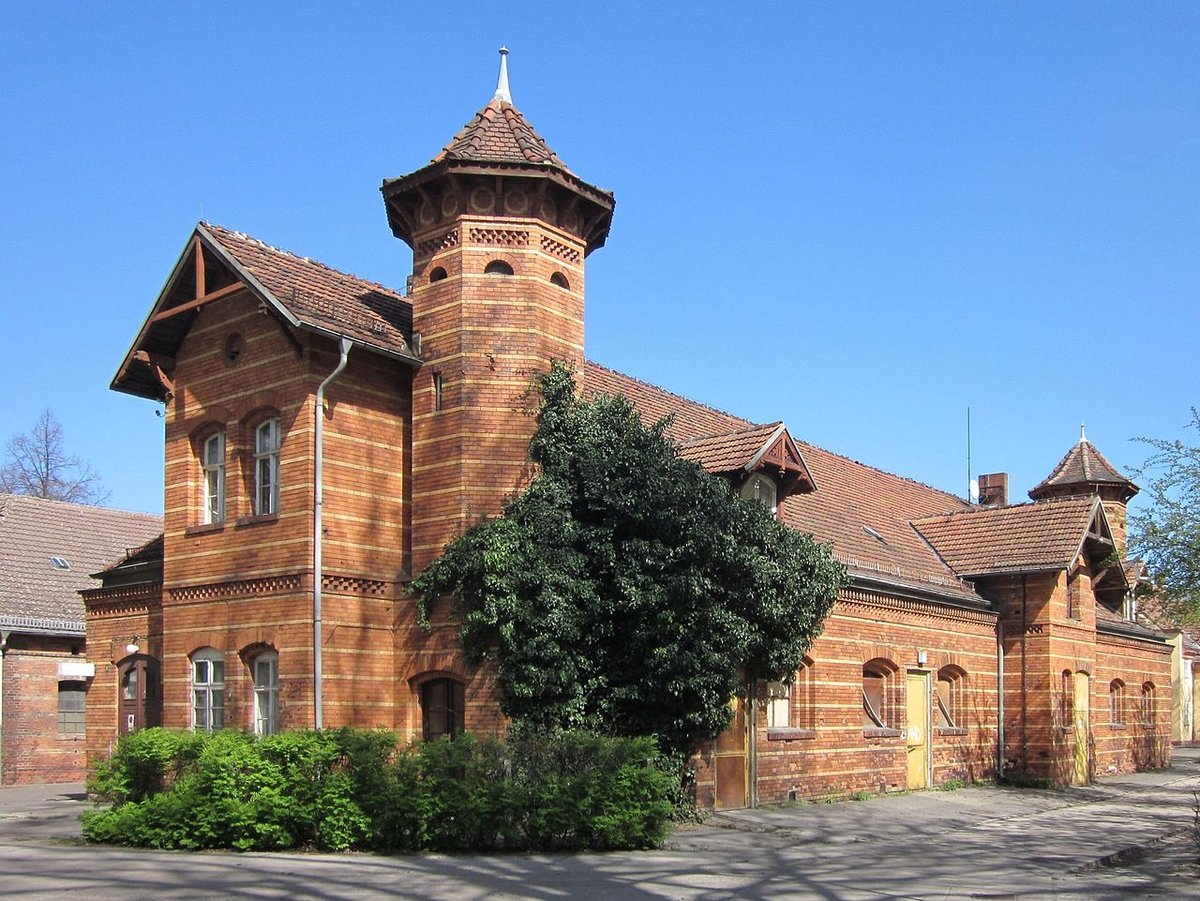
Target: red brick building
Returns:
[47, 551]
[326, 436]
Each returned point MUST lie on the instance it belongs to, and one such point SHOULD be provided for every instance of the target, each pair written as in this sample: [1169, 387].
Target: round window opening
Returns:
[498, 267]
[437, 275]
[561, 280]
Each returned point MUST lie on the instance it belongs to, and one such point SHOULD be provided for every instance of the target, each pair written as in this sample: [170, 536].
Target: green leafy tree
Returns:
[1167, 533]
[626, 590]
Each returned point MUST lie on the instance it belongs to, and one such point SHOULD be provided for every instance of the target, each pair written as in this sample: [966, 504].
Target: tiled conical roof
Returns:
[1084, 468]
[499, 134]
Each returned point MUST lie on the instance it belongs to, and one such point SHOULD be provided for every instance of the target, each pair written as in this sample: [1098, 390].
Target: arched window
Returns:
[208, 690]
[267, 441]
[264, 670]
[950, 705]
[560, 280]
[498, 267]
[1148, 704]
[1116, 702]
[878, 694]
[212, 465]
[442, 709]
[437, 275]
[761, 488]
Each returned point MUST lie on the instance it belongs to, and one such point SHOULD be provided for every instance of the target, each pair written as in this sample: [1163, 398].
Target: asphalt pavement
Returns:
[1135, 836]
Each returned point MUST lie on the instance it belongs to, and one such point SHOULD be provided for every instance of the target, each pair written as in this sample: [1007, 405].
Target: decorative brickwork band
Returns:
[917, 609]
[438, 242]
[560, 250]
[125, 594]
[351, 585]
[500, 237]
[240, 588]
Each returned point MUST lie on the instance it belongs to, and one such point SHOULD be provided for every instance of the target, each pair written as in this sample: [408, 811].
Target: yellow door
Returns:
[1082, 723]
[729, 761]
[916, 732]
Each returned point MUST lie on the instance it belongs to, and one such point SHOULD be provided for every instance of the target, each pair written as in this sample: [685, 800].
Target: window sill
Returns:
[204, 529]
[881, 732]
[790, 734]
[949, 730]
[262, 518]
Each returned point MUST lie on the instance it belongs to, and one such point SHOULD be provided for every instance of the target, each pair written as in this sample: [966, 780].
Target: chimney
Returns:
[993, 489]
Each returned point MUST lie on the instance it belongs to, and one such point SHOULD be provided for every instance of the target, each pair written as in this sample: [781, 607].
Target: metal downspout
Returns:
[344, 345]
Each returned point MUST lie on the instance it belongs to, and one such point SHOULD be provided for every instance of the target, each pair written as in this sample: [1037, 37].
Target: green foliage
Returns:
[355, 789]
[952, 785]
[626, 589]
[1167, 533]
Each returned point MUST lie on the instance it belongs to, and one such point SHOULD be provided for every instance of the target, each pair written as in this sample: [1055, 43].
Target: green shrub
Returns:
[358, 789]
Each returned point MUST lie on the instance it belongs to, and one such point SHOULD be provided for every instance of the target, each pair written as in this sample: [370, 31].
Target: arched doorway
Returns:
[139, 697]
[1082, 723]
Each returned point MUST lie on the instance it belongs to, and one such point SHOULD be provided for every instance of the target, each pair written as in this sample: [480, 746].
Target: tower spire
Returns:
[1082, 432]
[502, 92]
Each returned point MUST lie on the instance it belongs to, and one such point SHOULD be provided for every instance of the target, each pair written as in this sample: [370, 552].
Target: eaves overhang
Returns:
[1131, 630]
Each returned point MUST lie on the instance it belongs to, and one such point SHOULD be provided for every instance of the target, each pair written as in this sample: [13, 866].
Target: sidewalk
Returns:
[1126, 836]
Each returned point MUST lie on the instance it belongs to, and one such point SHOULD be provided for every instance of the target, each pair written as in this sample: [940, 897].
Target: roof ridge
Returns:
[744, 431]
[1000, 508]
[885, 472]
[633, 378]
[309, 260]
[21, 498]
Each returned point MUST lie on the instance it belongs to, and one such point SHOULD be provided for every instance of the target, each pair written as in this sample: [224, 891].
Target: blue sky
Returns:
[859, 218]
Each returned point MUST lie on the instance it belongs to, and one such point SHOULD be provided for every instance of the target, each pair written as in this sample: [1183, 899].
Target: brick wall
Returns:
[828, 752]
[31, 748]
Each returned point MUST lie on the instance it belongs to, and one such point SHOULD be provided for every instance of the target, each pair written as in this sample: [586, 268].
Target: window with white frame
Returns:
[212, 463]
[265, 669]
[266, 467]
[762, 489]
[208, 690]
[779, 704]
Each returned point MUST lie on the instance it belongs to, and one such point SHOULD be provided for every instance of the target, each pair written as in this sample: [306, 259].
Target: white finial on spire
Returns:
[1082, 432]
[502, 93]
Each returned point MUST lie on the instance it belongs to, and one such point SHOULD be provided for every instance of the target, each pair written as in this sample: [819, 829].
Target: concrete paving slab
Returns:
[1125, 837]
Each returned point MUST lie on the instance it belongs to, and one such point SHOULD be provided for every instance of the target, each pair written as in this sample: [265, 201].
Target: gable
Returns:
[299, 293]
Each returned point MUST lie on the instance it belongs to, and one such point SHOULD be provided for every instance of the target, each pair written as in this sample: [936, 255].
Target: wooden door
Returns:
[1082, 727]
[916, 732]
[730, 761]
[139, 698]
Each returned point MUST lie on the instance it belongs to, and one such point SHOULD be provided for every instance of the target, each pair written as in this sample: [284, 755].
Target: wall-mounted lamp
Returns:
[132, 647]
[922, 658]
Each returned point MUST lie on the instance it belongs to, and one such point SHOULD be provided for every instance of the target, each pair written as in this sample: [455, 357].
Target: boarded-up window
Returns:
[779, 699]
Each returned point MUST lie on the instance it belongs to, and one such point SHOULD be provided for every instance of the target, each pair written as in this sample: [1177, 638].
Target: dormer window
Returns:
[762, 489]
